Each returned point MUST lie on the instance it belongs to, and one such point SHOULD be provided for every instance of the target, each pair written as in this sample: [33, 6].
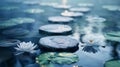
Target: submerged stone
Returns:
[15, 21]
[56, 58]
[16, 32]
[60, 19]
[9, 43]
[56, 29]
[58, 43]
[111, 7]
[35, 10]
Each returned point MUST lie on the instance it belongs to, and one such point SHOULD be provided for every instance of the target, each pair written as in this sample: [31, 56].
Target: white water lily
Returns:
[93, 42]
[94, 39]
[26, 47]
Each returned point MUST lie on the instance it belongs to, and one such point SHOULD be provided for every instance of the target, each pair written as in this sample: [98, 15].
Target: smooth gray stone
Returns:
[55, 29]
[62, 6]
[81, 9]
[60, 19]
[61, 43]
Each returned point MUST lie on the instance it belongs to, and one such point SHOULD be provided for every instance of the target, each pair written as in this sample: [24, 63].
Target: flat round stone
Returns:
[81, 9]
[16, 32]
[48, 4]
[85, 4]
[55, 29]
[58, 43]
[72, 14]
[62, 6]
[60, 19]
[9, 43]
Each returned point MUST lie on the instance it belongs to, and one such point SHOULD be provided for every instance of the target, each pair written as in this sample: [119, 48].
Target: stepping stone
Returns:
[34, 10]
[55, 29]
[71, 14]
[16, 32]
[48, 4]
[85, 4]
[81, 9]
[9, 43]
[58, 43]
[15, 21]
[114, 63]
[60, 19]
[62, 6]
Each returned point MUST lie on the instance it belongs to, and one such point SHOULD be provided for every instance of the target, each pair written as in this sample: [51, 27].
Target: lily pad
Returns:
[112, 38]
[15, 21]
[36, 11]
[16, 32]
[115, 63]
[55, 29]
[58, 43]
[57, 58]
[114, 34]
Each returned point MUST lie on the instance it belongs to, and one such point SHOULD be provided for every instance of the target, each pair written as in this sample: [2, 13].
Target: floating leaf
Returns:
[112, 38]
[115, 34]
[115, 63]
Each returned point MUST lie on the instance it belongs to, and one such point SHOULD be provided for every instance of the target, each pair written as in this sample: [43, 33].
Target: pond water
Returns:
[10, 9]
